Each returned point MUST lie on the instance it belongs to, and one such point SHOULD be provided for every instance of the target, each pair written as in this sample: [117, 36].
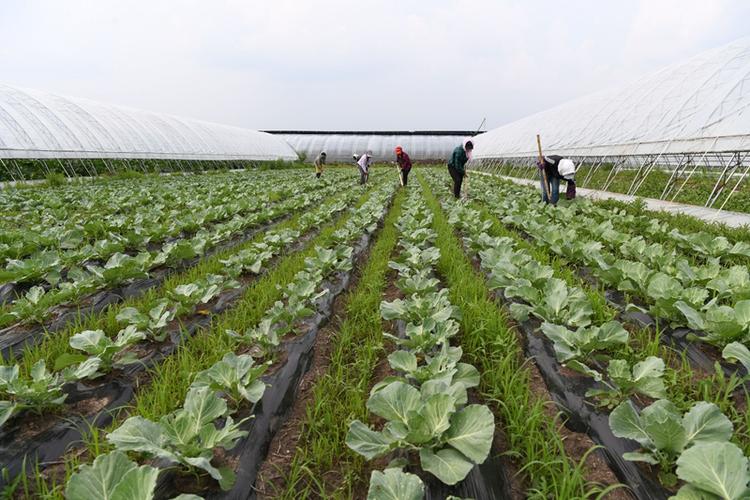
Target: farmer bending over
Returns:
[557, 168]
[319, 162]
[363, 164]
[404, 164]
[457, 165]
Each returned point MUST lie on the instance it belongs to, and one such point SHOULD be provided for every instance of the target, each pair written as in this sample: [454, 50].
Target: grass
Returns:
[493, 346]
[50, 300]
[685, 386]
[56, 344]
[340, 395]
[169, 381]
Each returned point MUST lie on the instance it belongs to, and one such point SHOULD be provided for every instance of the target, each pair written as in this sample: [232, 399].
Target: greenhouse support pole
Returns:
[593, 170]
[7, 169]
[720, 182]
[684, 161]
[734, 189]
[695, 167]
[19, 169]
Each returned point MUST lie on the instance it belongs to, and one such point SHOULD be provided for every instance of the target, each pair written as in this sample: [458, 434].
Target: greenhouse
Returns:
[37, 125]
[686, 119]
[341, 145]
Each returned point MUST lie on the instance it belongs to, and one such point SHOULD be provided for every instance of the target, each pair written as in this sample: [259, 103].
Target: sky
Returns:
[351, 65]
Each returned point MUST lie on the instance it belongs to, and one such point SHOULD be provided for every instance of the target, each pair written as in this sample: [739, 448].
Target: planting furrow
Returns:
[711, 301]
[321, 466]
[425, 406]
[633, 385]
[532, 434]
[125, 275]
[248, 328]
[188, 314]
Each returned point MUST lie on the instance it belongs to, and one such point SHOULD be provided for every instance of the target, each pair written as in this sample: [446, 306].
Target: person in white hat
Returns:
[319, 162]
[364, 163]
[557, 168]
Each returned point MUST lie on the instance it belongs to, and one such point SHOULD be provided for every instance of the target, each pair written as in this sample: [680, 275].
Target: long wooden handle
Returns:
[544, 172]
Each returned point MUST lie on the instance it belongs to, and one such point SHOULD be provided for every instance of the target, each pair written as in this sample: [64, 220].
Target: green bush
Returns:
[55, 179]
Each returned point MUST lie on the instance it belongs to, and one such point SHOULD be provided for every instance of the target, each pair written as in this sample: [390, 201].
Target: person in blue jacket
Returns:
[457, 165]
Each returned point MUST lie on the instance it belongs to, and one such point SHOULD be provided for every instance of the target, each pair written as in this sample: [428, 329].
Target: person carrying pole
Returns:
[363, 164]
[319, 162]
[552, 170]
[404, 164]
[457, 165]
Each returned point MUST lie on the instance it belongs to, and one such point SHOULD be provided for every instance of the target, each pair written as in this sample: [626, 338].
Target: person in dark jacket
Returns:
[457, 165]
[557, 168]
[404, 164]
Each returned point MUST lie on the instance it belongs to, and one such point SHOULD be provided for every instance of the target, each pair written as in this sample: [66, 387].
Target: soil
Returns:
[274, 470]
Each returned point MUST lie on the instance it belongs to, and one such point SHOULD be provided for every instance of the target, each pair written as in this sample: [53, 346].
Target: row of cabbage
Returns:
[696, 445]
[94, 353]
[708, 297]
[190, 436]
[425, 405]
[104, 264]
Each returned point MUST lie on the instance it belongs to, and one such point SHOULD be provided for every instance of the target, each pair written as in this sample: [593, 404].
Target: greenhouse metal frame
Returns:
[40, 127]
[689, 117]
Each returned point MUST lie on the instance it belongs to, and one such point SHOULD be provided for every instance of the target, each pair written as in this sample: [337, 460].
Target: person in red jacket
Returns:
[404, 164]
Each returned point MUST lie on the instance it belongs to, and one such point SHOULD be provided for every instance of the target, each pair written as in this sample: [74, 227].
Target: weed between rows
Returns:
[685, 385]
[168, 382]
[340, 395]
[57, 343]
[493, 347]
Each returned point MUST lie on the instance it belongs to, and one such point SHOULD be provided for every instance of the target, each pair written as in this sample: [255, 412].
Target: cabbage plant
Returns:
[449, 441]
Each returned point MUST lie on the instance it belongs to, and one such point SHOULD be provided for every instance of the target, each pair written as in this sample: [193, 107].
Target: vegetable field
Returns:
[273, 335]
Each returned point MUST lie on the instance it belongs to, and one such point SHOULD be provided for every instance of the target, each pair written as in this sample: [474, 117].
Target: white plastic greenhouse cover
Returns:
[340, 147]
[700, 105]
[36, 124]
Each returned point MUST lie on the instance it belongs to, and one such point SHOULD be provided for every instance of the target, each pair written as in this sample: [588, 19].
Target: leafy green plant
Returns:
[713, 471]
[664, 292]
[112, 476]
[263, 338]
[449, 441]
[102, 352]
[719, 325]
[420, 282]
[187, 436]
[394, 484]
[121, 268]
[425, 336]
[664, 433]
[555, 303]
[30, 307]
[416, 308]
[40, 392]
[645, 377]
[584, 341]
[235, 376]
[153, 323]
[444, 366]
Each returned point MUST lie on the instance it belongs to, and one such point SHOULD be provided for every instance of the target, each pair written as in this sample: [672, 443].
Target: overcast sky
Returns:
[361, 64]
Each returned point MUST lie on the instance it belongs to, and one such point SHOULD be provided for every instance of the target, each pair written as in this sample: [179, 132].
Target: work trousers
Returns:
[405, 176]
[554, 188]
[362, 176]
[458, 178]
